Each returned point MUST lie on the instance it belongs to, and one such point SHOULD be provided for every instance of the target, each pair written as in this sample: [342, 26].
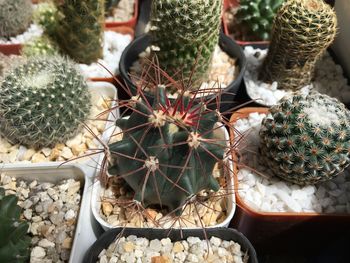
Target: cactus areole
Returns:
[168, 151]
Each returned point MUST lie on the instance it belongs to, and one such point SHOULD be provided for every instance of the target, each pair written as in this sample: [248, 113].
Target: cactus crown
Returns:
[258, 15]
[15, 17]
[80, 29]
[306, 139]
[43, 102]
[184, 35]
[169, 149]
[311, 26]
[14, 241]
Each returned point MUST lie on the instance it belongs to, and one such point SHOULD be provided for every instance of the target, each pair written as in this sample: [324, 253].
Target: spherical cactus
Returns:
[184, 35]
[257, 16]
[306, 139]
[80, 29]
[14, 241]
[40, 46]
[46, 15]
[302, 31]
[168, 151]
[43, 102]
[15, 17]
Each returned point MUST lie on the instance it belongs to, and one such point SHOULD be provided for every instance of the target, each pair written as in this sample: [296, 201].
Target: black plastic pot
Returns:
[131, 54]
[175, 235]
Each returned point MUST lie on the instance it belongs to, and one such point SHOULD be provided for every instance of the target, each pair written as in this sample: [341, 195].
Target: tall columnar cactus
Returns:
[168, 151]
[184, 35]
[43, 102]
[80, 29]
[14, 241]
[15, 17]
[306, 139]
[258, 15]
[302, 31]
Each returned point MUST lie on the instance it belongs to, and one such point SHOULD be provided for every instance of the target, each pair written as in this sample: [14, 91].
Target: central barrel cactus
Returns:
[306, 139]
[14, 241]
[43, 102]
[168, 151]
[184, 36]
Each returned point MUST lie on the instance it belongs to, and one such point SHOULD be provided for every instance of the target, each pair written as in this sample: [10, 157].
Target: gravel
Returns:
[113, 47]
[124, 11]
[51, 211]
[328, 79]
[32, 32]
[266, 193]
[133, 249]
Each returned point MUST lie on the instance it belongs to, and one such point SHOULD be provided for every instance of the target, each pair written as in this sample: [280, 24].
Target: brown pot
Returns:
[276, 229]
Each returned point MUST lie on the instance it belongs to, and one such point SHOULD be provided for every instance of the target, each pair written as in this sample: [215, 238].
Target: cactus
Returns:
[302, 31]
[15, 17]
[46, 15]
[43, 102]
[257, 16]
[306, 139]
[40, 46]
[80, 29]
[184, 35]
[14, 241]
[168, 151]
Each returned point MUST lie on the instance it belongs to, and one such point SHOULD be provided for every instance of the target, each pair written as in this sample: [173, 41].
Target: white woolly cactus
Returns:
[15, 17]
[43, 102]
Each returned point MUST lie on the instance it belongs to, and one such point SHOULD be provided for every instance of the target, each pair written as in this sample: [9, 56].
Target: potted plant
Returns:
[168, 168]
[270, 209]
[40, 214]
[121, 13]
[177, 243]
[62, 123]
[188, 52]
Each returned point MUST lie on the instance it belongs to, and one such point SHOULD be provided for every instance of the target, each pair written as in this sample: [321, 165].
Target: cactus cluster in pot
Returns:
[14, 241]
[184, 35]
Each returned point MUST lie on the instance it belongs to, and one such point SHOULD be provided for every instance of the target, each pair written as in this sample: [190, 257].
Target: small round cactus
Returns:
[306, 138]
[43, 102]
[15, 17]
[257, 16]
[302, 31]
[14, 241]
[40, 46]
[46, 15]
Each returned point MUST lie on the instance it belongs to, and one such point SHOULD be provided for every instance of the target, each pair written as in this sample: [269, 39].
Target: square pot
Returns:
[275, 230]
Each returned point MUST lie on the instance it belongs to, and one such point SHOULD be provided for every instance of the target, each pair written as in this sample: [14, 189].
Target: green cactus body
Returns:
[46, 15]
[15, 17]
[14, 241]
[184, 36]
[80, 29]
[257, 16]
[40, 46]
[306, 140]
[43, 102]
[168, 151]
[302, 31]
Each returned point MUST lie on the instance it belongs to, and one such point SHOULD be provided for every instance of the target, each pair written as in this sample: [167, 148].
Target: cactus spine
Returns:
[80, 29]
[14, 242]
[302, 31]
[43, 102]
[257, 16]
[15, 17]
[306, 139]
[168, 151]
[184, 35]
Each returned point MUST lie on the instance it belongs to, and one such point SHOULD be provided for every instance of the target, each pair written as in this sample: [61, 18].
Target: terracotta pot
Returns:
[273, 230]
[129, 23]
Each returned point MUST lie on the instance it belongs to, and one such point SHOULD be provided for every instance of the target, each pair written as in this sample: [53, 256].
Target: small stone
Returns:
[160, 259]
[55, 153]
[107, 208]
[74, 141]
[46, 151]
[38, 252]
[155, 245]
[46, 243]
[70, 214]
[28, 214]
[60, 146]
[79, 149]
[66, 153]
[28, 155]
[178, 247]
[67, 243]
[38, 158]
[129, 247]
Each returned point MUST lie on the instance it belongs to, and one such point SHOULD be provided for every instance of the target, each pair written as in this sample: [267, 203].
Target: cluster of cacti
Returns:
[79, 31]
[306, 139]
[40, 46]
[46, 15]
[168, 151]
[257, 16]
[184, 36]
[14, 241]
[302, 31]
[15, 17]
[43, 102]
